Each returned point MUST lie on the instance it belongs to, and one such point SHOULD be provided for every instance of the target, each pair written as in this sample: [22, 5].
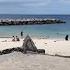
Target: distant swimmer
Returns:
[21, 34]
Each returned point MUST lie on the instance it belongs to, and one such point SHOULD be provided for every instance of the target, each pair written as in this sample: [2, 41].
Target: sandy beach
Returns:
[19, 61]
[51, 46]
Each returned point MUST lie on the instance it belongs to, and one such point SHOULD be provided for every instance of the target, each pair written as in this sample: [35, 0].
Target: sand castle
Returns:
[27, 47]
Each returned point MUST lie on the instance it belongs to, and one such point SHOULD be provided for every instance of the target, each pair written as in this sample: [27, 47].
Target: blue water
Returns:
[39, 31]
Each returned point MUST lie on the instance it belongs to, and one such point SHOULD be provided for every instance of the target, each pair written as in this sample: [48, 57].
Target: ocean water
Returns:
[37, 31]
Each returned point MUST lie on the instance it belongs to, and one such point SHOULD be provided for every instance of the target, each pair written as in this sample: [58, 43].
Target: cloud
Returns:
[65, 1]
[34, 6]
[24, 3]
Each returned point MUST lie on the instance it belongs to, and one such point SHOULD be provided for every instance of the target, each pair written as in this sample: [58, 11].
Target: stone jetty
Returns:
[29, 21]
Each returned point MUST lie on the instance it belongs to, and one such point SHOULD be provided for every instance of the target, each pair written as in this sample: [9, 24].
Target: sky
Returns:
[34, 6]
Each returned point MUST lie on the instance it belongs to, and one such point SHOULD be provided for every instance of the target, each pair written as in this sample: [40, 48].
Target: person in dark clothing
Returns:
[66, 37]
[21, 34]
[13, 38]
[17, 39]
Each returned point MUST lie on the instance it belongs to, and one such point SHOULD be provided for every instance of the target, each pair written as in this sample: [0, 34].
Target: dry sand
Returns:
[19, 61]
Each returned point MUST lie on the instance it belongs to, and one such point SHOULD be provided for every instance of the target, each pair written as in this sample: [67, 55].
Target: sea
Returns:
[50, 31]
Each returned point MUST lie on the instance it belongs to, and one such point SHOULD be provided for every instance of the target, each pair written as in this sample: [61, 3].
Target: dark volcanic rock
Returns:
[30, 21]
[41, 51]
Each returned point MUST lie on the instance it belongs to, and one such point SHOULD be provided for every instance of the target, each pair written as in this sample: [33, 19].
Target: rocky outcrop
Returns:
[29, 21]
[10, 50]
[41, 51]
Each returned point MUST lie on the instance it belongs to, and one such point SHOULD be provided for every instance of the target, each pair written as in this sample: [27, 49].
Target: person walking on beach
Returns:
[21, 34]
[66, 37]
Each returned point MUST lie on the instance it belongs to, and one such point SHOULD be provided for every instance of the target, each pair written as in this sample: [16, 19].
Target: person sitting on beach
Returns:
[13, 38]
[17, 39]
[66, 37]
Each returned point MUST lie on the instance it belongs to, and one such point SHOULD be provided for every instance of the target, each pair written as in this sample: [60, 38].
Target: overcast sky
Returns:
[34, 6]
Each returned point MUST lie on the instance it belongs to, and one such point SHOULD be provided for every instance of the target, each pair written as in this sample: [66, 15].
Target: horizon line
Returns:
[30, 14]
